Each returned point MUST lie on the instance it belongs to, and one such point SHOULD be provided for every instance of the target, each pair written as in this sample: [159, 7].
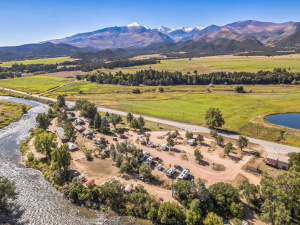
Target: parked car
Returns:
[152, 145]
[159, 167]
[140, 177]
[178, 167]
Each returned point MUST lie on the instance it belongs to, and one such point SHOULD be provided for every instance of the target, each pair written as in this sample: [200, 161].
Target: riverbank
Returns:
[11, 111]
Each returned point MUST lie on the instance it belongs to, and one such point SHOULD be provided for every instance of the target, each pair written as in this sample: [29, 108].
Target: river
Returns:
[38, 201]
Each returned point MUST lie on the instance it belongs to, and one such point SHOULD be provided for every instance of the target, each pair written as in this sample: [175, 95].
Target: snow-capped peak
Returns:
[137, 25]
[134, 24]
[199, 28]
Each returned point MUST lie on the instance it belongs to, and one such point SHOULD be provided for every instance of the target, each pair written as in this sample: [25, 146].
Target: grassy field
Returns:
[37, 61]
[222, 63]
[12, 111]
[33, 84]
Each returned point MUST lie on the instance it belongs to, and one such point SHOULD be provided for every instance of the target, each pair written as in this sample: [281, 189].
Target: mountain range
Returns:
[247, 35]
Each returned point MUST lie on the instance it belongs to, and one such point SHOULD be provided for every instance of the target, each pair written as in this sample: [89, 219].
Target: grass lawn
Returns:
[188, 104]
[222, 63]
[12, 111]
[33, 84]
[37, 61]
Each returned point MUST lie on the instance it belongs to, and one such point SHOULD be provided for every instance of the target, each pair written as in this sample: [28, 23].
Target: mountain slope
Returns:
[37, 50]
[292, 41]
[132, 35]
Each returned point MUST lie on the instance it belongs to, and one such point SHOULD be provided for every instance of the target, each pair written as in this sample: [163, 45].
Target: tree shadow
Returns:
[12, 216]
[204, 163]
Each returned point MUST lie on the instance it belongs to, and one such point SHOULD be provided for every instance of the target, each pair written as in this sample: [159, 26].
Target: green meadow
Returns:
[11, 111]
[37, 61]
[33, 84]
[222, 63]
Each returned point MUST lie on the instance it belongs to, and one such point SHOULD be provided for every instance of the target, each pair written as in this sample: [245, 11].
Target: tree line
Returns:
[155, 78]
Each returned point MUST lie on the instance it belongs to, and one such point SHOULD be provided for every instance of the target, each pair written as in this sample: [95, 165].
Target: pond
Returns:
[291, 120]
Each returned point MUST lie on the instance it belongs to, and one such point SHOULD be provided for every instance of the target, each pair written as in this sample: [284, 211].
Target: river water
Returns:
[38, 201]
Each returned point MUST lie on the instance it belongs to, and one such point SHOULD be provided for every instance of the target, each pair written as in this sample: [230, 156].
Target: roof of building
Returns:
[253, 166]
[272, 156]
[72, 146]
[129, 187]
[61, 133]
[280, 158]
[87, 132]
[78, 127]
[283, 158]
[78, 120]
[69, 116]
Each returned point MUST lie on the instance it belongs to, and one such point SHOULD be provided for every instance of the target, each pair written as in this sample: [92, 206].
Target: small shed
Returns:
[91, 181]
[61, 134]
[72, 146]
[142, 140]
[79, 128]
[252, 167]
[128, 188]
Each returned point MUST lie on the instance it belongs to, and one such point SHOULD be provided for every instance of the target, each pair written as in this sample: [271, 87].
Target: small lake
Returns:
[291, 120]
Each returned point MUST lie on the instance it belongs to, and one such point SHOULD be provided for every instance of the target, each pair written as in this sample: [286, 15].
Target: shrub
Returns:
[136, 91]
[219, 167]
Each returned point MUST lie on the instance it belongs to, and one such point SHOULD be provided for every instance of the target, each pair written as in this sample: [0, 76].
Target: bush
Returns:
[30, 157]
[219, 167]
[88, 155]
[136, 91]
[239, 89]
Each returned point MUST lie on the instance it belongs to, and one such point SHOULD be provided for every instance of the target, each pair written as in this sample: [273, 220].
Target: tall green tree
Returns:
[105, 126]
[61, 159]
[129, 118]
[170, 143]
[194, 214]
[61, 101]
[145, 171]
[97, 121]
[198, 155]
[45, 143]
[226, 198]
[227, 148]
[212, 219]
[115, 120]
[242, 142]
[214, 118]
[42, 120]
[8, 194]
[200, 138]
[170, 213]
[220, 140]
[141, 123]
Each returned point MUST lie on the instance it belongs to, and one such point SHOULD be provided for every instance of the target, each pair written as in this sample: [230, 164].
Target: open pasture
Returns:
[33, 84]
[37, 61]
[222, 63]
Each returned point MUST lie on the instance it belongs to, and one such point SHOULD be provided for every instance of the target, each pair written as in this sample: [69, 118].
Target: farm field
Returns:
[33, 84]
[222, 63]
[37, 61]
[188, 104]
[11, 111]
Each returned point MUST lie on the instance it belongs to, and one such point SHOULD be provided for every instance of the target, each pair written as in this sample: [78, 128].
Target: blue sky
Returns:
[30, 21]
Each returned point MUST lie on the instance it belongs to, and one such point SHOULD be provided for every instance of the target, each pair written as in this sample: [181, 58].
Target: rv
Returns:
[184, 174]
[171, 171]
